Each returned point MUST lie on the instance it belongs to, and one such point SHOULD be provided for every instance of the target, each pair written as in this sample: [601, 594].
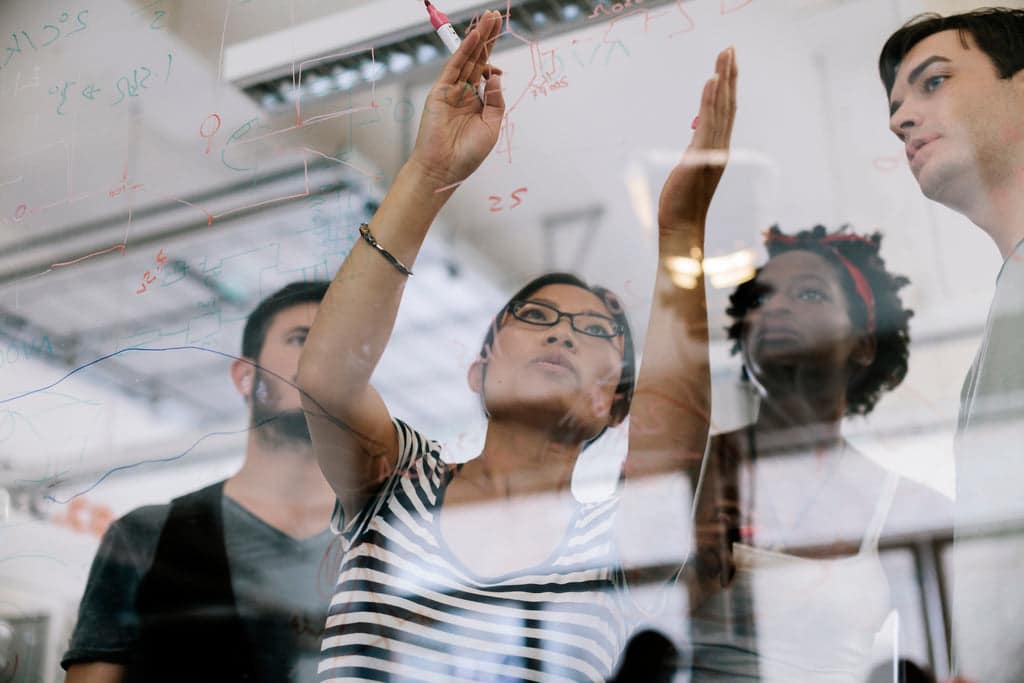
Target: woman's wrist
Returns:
[438, 181]
[681, 237]
[414, 195]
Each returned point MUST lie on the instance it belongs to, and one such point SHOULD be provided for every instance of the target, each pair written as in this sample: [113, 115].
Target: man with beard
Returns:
[223, 584]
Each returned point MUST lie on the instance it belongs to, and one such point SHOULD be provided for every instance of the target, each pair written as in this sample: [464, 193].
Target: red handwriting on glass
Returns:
[548, 85]
[496, 200]
[401, 111]
[615, 9]
[730, 6]
[123, 186]
[618, 8]
[208, 131]
[148, 277]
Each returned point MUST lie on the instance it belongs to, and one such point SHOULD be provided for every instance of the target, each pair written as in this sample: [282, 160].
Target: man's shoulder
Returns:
[1011, 276]
[138, 528]
[148, 520]
[145, 519]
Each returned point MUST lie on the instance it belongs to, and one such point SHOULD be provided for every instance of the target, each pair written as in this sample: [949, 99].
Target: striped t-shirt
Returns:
[404, 609]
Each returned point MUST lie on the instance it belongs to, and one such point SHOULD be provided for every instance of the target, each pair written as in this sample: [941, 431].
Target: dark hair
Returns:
[998, 32]
[627, 379]
[892, 328]
[906, 672]
[260, 319]
[650, 656]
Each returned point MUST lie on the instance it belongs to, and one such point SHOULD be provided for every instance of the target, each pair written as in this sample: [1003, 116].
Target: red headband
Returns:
[860, 283]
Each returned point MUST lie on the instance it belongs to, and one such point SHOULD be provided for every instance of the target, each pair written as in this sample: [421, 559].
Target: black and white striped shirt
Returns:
[405, 609]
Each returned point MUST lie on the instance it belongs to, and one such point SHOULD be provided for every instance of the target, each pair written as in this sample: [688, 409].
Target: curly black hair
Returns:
[892, 328]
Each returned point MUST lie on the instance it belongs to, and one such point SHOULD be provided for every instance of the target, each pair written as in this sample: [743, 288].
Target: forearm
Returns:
[357, 315]
[95, 672]
[672, 403]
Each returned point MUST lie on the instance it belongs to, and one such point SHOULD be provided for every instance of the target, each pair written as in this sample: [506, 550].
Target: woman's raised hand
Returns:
[686, 195]
[457, 130]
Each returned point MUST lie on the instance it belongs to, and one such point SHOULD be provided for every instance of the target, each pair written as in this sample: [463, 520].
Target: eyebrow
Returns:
[915, 74]
[553, 305]
[816, 279]
[766, 285]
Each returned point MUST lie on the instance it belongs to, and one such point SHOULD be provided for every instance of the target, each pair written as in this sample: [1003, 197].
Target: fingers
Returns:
[488, 29]
[492, 39]
[718, 105]
[494, 100]
[453, 67]
[727, 95]
[472, 63]
[706, 118]
[473, 53]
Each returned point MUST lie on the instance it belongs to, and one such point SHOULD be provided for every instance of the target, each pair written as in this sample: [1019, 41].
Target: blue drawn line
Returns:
[118, 353]
[72, 399]
[108, 356]
[151, 461]
[15, 415]
[37, 556]
[48, 477]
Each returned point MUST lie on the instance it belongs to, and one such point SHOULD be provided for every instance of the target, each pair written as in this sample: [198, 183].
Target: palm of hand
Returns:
[686, 195]
[459, 128]
[454, 137]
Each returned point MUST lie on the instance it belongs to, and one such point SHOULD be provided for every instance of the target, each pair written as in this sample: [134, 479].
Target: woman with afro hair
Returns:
[786, 580]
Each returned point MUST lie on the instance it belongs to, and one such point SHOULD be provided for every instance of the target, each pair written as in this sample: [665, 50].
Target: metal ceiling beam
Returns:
[273, 92]
[183, 221]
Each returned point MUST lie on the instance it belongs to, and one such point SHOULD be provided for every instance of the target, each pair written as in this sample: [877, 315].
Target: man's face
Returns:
[275, 398]
[962, 125]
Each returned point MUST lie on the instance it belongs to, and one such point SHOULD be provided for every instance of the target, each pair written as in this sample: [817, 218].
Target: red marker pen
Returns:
[443, 26]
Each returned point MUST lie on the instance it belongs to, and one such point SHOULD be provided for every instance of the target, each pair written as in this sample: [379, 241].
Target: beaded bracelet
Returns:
[364, 230]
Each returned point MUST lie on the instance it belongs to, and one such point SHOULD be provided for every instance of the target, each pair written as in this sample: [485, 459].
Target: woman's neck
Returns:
[784, 425]
[518, 460]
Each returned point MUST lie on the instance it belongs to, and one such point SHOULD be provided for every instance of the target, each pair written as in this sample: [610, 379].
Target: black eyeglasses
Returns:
[591, 324]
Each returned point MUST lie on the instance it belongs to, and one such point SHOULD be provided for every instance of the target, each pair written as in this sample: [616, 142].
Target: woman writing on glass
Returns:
[420, 595]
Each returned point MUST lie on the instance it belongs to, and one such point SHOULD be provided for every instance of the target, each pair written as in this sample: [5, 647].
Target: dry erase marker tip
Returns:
[443, 27]
[437, 17]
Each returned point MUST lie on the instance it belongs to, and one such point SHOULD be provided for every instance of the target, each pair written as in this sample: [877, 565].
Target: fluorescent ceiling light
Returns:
[723, 271]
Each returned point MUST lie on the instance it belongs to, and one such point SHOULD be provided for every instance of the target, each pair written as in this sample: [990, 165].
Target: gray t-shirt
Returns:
[988, 599]
[270, 570]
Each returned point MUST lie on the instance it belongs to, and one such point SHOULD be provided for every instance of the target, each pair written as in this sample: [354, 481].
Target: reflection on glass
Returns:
[130, 158]
[788, 514]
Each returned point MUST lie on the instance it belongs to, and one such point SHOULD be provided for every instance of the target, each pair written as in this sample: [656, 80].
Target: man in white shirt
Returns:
[956, 100]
